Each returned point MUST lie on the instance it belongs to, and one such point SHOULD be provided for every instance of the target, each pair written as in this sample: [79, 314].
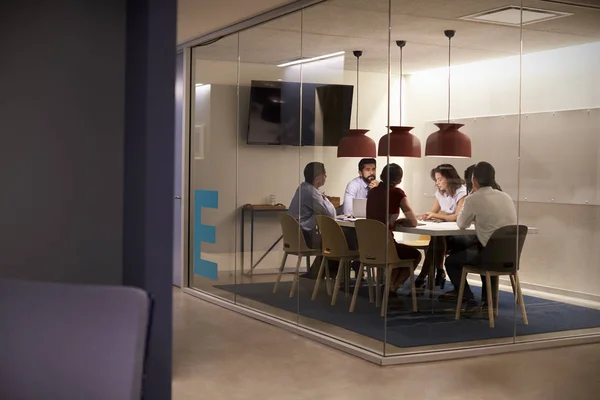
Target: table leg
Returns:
[242, 241]
[251, 240]
[264, 255]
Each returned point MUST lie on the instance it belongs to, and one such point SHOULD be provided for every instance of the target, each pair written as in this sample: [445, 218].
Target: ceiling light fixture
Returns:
[309, 59]
[356, 143]
[399, 142]
[448, 141]
[515, 15]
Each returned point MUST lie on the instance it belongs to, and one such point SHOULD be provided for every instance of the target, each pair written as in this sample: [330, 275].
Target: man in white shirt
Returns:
[359, 187]
[490, 210]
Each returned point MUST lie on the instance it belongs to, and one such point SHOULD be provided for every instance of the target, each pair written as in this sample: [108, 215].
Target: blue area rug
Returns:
[434, 324]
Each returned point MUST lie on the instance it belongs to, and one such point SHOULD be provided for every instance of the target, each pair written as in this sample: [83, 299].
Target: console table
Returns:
[252, 209]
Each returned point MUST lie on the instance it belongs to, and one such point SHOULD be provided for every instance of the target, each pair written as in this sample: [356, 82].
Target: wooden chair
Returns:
[422, 243]
[501, 256]
[334, 247]
[376, 252]
[295, 244]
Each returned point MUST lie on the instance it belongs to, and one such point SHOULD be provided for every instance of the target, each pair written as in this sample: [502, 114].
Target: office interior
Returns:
[522, 78]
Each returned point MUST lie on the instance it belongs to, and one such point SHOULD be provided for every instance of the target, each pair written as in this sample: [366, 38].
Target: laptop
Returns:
[359, 208]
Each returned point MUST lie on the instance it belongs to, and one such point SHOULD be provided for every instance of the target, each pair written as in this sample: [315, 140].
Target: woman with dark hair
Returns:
[449, 198]
[387, 191]
[469, 180]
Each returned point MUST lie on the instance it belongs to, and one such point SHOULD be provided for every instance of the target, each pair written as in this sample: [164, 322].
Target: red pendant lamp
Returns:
[400, 142]
[356, 143]
[448, 140]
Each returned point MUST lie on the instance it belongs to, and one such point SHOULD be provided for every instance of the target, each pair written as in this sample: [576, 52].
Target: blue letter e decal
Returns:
[204, 233]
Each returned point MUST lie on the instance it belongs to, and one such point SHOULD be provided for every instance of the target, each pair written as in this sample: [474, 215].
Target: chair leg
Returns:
[413, 289]
[369, 282]
[378, 286]
[497, 296]
[338, 278]
[319, 276]
[295, 281]
[512, 283]
[388, 279]
[281, 267]
[347, 279]
[357, 286]
[328, 278]
[521, 302]
[461, 292]
[431, 279]
[488, 281]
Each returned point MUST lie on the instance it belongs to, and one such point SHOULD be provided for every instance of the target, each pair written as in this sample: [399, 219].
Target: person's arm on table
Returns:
[434, 210]
[410, 219]
[349, 195]
[467, 214]
[448, 217]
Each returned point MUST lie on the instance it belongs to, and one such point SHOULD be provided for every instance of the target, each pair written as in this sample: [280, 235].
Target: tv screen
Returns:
[275, 113]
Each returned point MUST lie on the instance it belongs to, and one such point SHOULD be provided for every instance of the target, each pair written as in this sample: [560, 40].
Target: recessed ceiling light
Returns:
[305, 60]
[512, 15]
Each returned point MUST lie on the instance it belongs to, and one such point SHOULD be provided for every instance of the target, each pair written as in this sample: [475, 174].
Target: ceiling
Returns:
[199, 17]
[362, 25]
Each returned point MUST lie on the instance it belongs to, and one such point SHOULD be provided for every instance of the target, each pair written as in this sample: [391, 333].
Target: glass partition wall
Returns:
[292, 162]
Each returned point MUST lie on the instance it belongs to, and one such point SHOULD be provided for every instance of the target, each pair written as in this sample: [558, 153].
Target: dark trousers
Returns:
[464, 250]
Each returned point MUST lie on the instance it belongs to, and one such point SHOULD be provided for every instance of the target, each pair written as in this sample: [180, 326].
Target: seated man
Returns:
[309, 201]
[359, 187]
[490, 209]
[388, 192]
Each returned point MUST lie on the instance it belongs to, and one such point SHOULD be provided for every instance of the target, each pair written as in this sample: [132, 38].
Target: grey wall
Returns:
[87, 151]
[62, 86]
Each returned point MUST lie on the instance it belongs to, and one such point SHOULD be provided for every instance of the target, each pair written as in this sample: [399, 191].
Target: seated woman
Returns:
[376, 209]
[469, 181]
[449, 198]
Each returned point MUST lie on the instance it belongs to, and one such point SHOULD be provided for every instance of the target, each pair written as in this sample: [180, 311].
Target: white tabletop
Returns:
[427, 228]
[437, 229]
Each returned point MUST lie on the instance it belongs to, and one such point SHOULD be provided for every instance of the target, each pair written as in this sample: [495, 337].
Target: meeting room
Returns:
[399, 178]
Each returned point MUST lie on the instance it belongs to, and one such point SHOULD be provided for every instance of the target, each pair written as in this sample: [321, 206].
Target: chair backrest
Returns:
[503, 249]
[333, 239]
[73, 341]
[293, 239]
[372, 239]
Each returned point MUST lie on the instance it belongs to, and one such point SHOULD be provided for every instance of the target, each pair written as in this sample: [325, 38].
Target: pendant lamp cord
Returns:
[449, 34]
[357, 54]
[449, 53]
[357, 86]
[400, 96]
[401, 44]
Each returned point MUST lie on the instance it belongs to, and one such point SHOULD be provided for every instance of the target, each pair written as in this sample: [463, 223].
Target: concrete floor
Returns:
[219, 354]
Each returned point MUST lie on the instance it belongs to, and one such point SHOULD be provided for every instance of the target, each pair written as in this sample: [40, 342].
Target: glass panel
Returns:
[484, 96]
[332, 100]
[213, 180]
[558, 176]
[267, 167]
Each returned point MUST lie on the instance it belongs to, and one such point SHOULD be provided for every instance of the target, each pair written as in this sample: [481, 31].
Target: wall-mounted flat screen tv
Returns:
[288, 113]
